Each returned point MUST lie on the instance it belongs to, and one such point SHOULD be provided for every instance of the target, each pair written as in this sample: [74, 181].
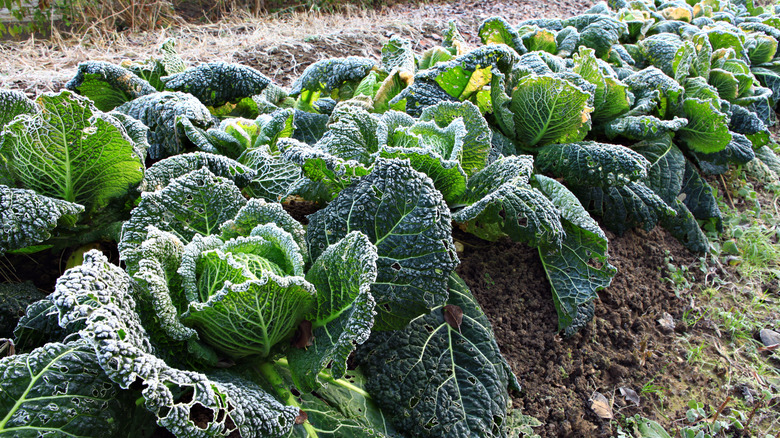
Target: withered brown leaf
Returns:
[453, 315]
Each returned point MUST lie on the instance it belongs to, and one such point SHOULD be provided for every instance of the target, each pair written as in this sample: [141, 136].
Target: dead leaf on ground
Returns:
[601, 406]
[630, 395]
[667, 323]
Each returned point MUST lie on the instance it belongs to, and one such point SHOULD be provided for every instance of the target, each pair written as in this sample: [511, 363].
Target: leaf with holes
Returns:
[433, 379]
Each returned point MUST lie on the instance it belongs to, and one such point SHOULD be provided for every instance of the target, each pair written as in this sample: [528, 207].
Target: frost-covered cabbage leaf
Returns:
[642, 127]
[625, 207]
[218, 83]
[194, 203]
[60, 389]
[397, 54]
[500, 202]
[102, 298]
[275, 178]
[163, 113]
[599, 32]
[28, 218]
[162, 172]
[699, 197]
[166, 63]
[404, 215]
[592, 164]
[13, 103]
[108, 85]
[71, 151]
[441, 375]
[337, 78]
[343, 312]
[250, 262]
[496, 30]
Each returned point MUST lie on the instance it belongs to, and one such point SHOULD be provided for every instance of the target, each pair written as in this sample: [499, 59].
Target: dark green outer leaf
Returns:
[518, 211]
[684, 227]
[665, 175]
[328, 75]
[27, 218]
[343, 313]
[770, 158]
[354, 135]
[218, 83]
[699, 197]
[434, 380]
[13, 103]
[659, 50]
[403, 214]
[332, 172]
[38, 326]
[642, 127]
[161, 113]
[600, 34]
[568, 205]
[576, 271]
[738, 151]
[14, 300]
[592, 164]
[309, 127]
[625, 207]
[649, 80]
[746, 122]
[580, 267]
[60, 389]
[517, 168]
[108, 85]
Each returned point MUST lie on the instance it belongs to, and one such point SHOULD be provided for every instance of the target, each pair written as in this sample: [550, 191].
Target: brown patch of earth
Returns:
[624, 345]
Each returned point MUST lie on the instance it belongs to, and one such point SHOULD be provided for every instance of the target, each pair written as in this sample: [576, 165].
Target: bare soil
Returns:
[624, 345]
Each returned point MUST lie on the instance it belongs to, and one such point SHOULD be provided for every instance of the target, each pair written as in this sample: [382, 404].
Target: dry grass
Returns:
[43, 65]
[36, 65]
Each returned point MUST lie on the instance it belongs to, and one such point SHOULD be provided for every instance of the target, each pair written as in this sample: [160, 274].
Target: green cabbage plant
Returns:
[230, 317]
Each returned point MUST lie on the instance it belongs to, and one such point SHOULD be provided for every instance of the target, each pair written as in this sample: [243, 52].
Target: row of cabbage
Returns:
[232, 316]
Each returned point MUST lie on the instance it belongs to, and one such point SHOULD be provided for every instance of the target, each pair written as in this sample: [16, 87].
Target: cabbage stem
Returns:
[277, 383]
[328, 378]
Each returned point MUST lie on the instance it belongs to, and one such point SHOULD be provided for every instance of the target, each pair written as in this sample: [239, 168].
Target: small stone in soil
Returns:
[769, 337]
